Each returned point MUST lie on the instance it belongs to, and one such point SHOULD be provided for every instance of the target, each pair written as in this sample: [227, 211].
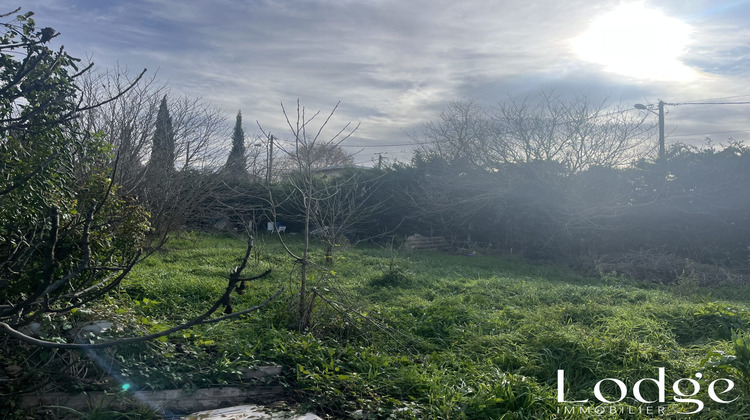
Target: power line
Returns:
[386, 145]
[712, 103]
[717, 99]
[713, 132]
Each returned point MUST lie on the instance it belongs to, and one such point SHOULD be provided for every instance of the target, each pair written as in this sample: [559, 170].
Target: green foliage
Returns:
[162, 158]
[62, 221]
[471, 338]
[36, 155]
[393, 274]
[236, 165]
[691, 206]
[394, 277]
[36, 74]
[738, 364]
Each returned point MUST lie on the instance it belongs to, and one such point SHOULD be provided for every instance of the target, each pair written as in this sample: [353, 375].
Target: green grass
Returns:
[467, 337]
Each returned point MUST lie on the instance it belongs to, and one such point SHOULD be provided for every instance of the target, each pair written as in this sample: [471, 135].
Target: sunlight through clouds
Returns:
[395, 64]
[639, 42]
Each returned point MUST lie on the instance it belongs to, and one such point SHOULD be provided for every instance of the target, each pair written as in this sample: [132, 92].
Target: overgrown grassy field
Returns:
[418, 334]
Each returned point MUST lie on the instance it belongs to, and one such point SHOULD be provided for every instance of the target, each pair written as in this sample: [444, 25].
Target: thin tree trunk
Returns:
[303, 309]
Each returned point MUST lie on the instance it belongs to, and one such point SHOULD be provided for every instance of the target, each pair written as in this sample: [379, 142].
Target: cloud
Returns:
[393, 64]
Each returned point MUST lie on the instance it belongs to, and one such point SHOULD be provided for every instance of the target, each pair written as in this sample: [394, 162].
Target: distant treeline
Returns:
[694, 204]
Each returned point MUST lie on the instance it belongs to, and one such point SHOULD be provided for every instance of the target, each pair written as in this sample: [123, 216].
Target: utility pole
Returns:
[269, 169]
[662, 150]
[649, 108]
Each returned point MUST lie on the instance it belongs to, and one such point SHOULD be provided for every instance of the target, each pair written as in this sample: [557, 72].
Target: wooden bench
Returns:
[428, 242]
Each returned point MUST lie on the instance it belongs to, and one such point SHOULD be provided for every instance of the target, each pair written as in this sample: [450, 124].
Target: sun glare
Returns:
[639, 42]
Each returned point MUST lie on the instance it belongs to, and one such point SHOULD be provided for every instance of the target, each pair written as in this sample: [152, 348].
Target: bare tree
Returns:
[257, 158]
[199, 129]
[321, 155]
[129, 123]
[460, 134]
[512, 167]
[342, 208]
[304, 191]
[577, 133]
[326, 155]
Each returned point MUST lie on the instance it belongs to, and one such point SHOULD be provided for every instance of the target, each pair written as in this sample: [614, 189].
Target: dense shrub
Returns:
[693, 205]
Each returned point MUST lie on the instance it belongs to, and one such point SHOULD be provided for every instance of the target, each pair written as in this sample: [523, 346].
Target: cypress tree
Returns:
[162, 158]
[236, 165]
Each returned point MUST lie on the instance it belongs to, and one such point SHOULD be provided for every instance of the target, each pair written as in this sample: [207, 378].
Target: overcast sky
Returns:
[395, 64]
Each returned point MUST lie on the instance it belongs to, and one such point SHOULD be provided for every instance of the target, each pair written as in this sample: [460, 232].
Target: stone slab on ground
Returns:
[167, 401]
[249, 412]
